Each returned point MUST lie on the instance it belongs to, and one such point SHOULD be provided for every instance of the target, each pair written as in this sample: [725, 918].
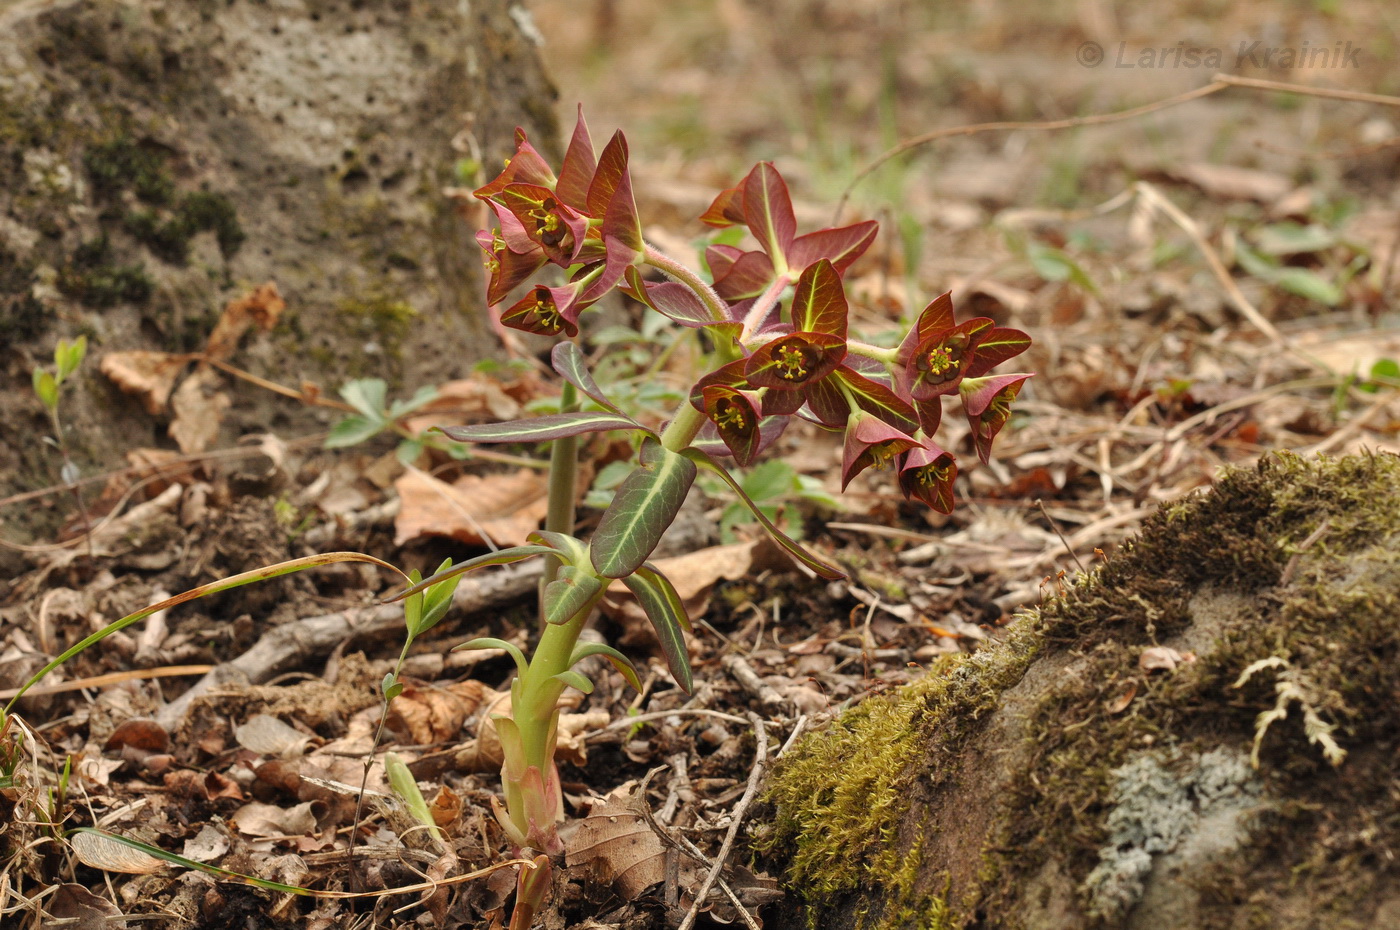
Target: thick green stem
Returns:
[563, 477]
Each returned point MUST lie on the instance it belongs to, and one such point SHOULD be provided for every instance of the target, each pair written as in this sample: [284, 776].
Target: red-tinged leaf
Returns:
[508, 269]
[877, 398]
[545, 311]
[749, 276]
[987, 402]
[828, 405]
[668, 618]
[781, 403]
[996, 346]
[819, 301]
[769, 429]
[513, 231]
[927, 473]
[930, 414]
[792, 361]
[576, 173]
[735, 418]
[568, 361]
[642, 509]
[526, 166]
[618, 660]
[768, 211]
[936, 317]
[726, 210]
[871, 441]
[617, 260]
[839, 246]
[542, 429]
[612, 165]
[830, 572]
[721, 258]
[621, 223]
[553, 225]
[939, 362]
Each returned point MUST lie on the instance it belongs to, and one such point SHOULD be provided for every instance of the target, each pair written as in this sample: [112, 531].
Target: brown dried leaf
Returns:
[149, 375]
[269, 736]
[1160, 658]
[207, 845]
[199, 408]
[693, 575]
[432, 714]
[262, 307]
[467, 400]
[1120, 703]
[508, 507]
[73, 907]
[99, 852]
[616, 845]
[140, 734]
[1229, 182]
[258, 819]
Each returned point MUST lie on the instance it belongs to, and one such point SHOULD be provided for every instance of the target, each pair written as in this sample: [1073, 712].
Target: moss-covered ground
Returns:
[1291, 568]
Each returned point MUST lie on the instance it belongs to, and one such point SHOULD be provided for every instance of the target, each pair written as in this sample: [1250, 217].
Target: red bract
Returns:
[926, 472]
[987, 402]
[545, 311]
[722, 397]
[762, 203]
[507, 267]
[870, 441]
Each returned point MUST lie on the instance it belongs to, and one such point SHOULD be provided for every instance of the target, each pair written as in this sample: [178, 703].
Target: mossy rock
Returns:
[1051, 781]
[158, 160]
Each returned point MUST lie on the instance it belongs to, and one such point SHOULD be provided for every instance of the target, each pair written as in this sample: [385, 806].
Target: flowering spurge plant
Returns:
[776, 320]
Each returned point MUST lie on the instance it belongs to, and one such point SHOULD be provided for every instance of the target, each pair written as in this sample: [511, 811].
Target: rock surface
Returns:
[1202, 733]
[161, 157]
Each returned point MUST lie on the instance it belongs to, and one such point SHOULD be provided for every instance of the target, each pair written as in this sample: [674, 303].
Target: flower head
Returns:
[871, 441]
[926, 472]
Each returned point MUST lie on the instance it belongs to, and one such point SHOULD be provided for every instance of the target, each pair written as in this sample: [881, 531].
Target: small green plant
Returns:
[67, 356]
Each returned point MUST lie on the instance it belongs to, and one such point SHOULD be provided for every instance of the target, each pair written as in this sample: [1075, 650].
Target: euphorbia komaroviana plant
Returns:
[776, 323]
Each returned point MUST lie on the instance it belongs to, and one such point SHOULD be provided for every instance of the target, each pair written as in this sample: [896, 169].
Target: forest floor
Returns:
[1205, 284]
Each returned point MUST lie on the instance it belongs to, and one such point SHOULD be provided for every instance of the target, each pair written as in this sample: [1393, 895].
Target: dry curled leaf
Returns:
[1161, 658]
[151, 376]
[258, 819]
[199, 408]
[73, 907]
[271, 737]
[432, 714]
[506, 507]
[261, 306]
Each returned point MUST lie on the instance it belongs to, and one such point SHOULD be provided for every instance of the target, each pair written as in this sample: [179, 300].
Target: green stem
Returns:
[563, 478]
[658, 259]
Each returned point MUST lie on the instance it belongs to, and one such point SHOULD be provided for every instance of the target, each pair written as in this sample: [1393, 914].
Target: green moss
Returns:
[90, 276]
[167, 234]
[22, 316]
[122, 164]
[381, 315]
[1224, 574]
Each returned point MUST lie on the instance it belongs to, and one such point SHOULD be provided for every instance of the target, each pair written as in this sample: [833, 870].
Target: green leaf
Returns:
[605, 484]
[437, 600]
[575, 680]
[773, 480]
[490, 642]
[173, 859]
[1054, 265]
[424, 395]
[619, 661]
[1293, 239]
[366, 395]
[46, 387]
[667, 615]
[571, 593]
[641, 511]
[503, 557]
[1309, 285]
[391, 686]
[214, 587]
[569, 549]
[353, 430]
[1385, 368]
[408, 451]
[406, 787]
[541, 429]
[68, 356]
[827, 571]
[568, 360]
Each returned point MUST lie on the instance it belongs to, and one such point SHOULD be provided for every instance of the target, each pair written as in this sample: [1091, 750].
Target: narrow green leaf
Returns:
[437, 600]
[570, 594]
[575, 680]
[667, 615]
[644, 506]
[568, 360]
[541, 429]
[569, 549]
[422, 396]
[68, 356]
[406, 787]
[490, 642]
[214, 587]
[1310, 285]
[504, 557]
[827, 571]
[391, 686]
[618, 660]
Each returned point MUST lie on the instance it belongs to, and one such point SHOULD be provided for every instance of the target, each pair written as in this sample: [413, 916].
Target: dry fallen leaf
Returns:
[141, 734]
[261, 306]
[1120, 703]
[207, 845]
[151, 376]
[1229, 182]
[693, 576]
[1161, 658]
[435, 714]
[199, 408]
[507, 507]
[269, 736]
[258, 819]
[615, 844]
[73, 907]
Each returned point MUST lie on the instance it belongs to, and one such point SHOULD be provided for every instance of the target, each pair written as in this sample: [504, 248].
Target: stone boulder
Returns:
[161, 157]
[1201, 733]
